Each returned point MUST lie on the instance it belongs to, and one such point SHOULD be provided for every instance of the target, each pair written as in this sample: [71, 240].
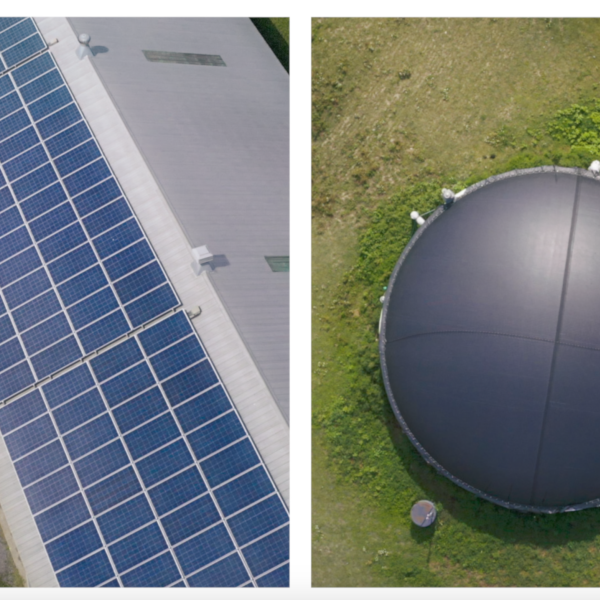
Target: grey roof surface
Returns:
[217, 142]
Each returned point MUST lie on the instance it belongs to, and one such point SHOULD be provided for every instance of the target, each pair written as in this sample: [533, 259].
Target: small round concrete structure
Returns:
[423, 513]
[490, 339]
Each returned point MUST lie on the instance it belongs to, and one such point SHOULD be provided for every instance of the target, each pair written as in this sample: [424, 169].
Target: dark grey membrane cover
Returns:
[490, 340]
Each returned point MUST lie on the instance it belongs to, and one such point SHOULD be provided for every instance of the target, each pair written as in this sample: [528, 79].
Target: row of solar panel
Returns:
[19, 40]
[143, 456]
[76, 271]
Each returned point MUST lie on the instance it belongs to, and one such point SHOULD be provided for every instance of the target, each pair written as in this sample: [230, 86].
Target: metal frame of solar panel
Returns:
[134, 461]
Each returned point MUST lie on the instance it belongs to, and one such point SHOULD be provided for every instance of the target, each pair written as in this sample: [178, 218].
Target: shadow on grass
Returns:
[539, 530]
[276, 41]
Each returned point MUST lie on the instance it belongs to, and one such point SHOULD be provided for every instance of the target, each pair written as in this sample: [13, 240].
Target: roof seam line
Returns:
[563, 297]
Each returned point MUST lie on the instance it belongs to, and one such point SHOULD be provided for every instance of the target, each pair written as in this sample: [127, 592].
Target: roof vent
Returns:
[201, 257]
[84, 46]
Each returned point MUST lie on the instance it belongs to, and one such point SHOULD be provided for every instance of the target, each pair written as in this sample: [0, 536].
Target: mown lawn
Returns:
[402, 107]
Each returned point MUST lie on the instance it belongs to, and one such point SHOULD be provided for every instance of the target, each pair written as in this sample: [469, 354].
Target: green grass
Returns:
[276, 32]
[483, 96]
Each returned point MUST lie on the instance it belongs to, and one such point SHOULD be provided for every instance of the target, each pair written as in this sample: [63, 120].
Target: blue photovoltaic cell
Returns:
[78, 411]
[71, 263]
[268, 552]
[165, 462]
[113, 490]
[52, 221]
[204, 549]
[52, 359]
[85, 178]
[10, 220]
[14, 242]
[32, 69]
[128, 384]
[190, 519]
[177, 357]
[140, 409]
[5, 85]
[15, 122]
[88, 573]
[125, 518]
[243, 491]
[82, 285]
[34, 181]
[15, 379]
[73, 545]
[151, 305]
[9, 104]
[50, 103]
[177, 490]
[90, 436]
[258, 520]
[40, 86]
[103, 331]
[27, 288]
[159, 572]
[6, 198]
[19, 265]
[129, 259]
[165, 333]
[101, 463]
[97, 196]
[111, 583]
[67, 139]
[6, 22]
[216, 435]
[30, 436]
[116, 359]
[77, 158]
[6, 329]
[141, 281]
[62, 242]
[230, 462]
[67, 386]
[36, 310]
[138, 547]
[26, 162]
[46, 333]
[229, 572]
[42, 462]
[62, 517]
[189, 383]
[10, 353]
[51, 490]
[56, 122]
[43, 201]
[113, 240]
[18, 143]
[178, 584]
[278, 578]
[151, 436]
[107, 217]
[18, 413]
[93, 307]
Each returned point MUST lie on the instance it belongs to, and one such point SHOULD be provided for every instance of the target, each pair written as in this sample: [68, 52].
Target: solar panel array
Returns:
[19, 40]
[134, 462]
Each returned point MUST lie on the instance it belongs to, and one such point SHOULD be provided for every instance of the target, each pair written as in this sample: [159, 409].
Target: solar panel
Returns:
[135, 464]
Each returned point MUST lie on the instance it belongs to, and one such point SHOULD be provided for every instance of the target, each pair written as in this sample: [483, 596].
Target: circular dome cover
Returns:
[490, 340]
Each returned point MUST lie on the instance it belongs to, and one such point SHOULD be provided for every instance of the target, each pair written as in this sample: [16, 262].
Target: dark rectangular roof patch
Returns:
[279, 264]
[184, 58]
